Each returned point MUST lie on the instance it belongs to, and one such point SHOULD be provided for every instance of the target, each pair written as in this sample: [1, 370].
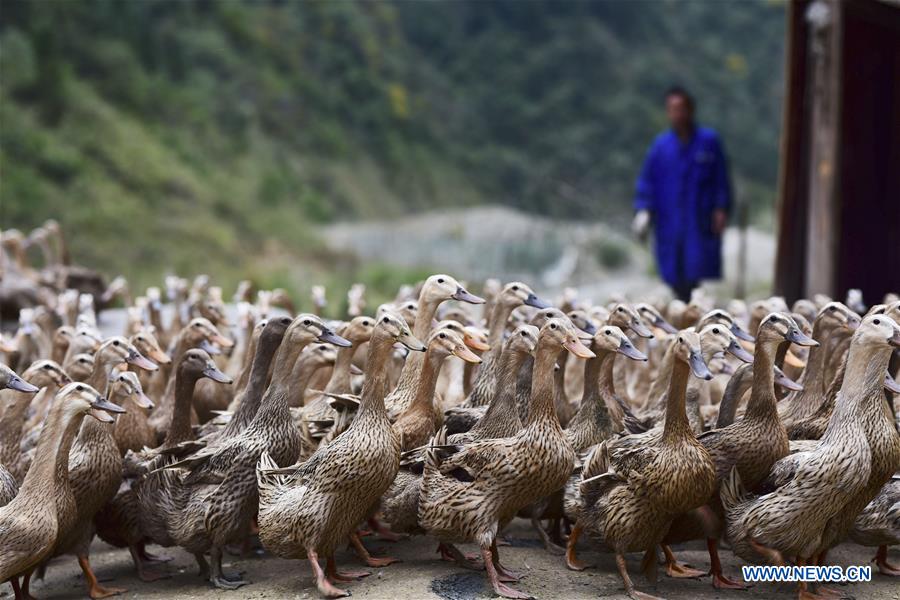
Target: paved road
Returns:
[422, 575]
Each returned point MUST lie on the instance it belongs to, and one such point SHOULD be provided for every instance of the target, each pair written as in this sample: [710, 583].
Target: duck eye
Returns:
[306, 322]
[47, 367]
[441, 280]
[608, 332]
[385, 320]
[116, 343]
[877, 321]
[552, 325]
[80, 388]
[716, 330]
[442, 336]
[515, 288]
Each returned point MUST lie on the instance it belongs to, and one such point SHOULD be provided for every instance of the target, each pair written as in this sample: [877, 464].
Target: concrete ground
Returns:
[422, 575]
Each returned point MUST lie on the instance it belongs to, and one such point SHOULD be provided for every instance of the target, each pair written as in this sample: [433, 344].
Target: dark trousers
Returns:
[683, 290]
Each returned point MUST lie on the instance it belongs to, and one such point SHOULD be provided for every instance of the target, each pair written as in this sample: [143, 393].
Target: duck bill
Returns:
[795, 336]
[736, 350]
[212, 372]
[640, 329]
[476, 344]
[144, 401]
[590, 329]
[466, 355]
[698, 366]
[786, 382]
[158, 356]
[206, 346]
[354, 370]
[101, 409]
[890, 384]
[332, 338]
[894, 340]
[536, 302]
[664, 325]
[576, 347]
[740, 333]
[463, 295]
[411, 342]
[793, 360]
[138, 360]
[20, 385]
[628, 349]
[222, 341]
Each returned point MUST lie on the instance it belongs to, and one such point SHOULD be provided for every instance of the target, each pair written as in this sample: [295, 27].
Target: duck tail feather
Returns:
[733, 493]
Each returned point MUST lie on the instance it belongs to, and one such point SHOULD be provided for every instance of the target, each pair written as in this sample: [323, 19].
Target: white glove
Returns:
[641, 224]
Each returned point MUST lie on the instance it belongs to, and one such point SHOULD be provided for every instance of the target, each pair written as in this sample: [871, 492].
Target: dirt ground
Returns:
[422, 575]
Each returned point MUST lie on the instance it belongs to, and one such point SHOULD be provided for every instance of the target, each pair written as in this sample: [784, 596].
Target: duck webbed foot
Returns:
[677, 570]
[629, 586]
[367, 558]
[384, 533]
[451, 553]
[218, 577]
[504, 573]
[144, 571]
[95, 590]
[343, 576]
[325, 587]
[719, 580]
[500, 588]
[885, 567]
[149, 557]
[572, 561]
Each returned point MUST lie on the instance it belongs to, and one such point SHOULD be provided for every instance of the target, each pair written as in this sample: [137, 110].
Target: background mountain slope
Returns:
[219, 135]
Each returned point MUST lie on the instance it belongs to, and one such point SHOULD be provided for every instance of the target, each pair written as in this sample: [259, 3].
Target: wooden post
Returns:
[824, 20]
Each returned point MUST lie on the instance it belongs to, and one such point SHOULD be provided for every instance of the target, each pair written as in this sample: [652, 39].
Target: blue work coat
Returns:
[681, 184]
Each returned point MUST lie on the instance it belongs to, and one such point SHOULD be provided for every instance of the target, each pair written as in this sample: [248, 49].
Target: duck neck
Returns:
[814, 373]
[99, 379]
[49, 473]
[763, 404]
[256, 381]
[180, 427]
[734, 391]
[541, 410]
[11, 422]
[340, 375]
[862, 392]
[503, 404]
[302, 374]
[425, 318]
[285, 359]
[677, 426]
[376, 382]
[250, 350]
[598, 385]
[499, 316]
[423, 402]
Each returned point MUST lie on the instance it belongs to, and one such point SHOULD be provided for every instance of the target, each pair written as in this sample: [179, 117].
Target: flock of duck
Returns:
[446, 414]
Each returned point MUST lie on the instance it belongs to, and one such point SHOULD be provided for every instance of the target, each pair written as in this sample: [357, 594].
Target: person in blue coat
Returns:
[685, 192]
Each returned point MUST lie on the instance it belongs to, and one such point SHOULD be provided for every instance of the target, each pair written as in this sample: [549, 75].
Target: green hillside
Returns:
[217, 135]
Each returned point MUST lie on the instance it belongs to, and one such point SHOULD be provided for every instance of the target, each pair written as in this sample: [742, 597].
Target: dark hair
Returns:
[677, 90]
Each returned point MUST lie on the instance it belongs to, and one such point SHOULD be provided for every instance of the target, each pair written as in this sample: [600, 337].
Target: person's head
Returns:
[679, 108]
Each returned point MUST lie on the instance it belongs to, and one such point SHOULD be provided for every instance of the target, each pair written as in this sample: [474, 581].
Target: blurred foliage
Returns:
[217, 135]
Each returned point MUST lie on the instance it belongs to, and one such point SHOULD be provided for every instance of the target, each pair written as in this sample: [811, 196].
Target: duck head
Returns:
[307, 328]
[10, 380]
[649, 314]
[625, 317]
[438, 288]
[447, 342]
[80, 398]
[613, 339]
[560, 332]
[128, 385]
[716, 338]
[688, 349]
[517, 293]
